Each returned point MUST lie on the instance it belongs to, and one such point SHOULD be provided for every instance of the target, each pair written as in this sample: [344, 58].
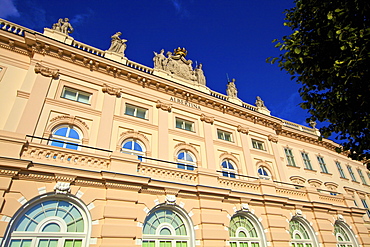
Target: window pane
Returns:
[52, 227]
[141, 113]
[73, 134]
[68, 94]
[57, 144]
[72, 146]
[83, 98]
[61, 131]
[179, 123]
[130, 110]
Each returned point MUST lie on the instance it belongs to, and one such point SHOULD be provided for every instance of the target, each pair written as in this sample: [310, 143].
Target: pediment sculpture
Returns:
[176, 64]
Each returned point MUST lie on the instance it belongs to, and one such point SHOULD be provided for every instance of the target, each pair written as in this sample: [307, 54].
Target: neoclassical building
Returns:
[98, 150]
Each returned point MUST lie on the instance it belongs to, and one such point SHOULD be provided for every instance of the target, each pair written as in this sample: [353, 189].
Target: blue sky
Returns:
[227, 36]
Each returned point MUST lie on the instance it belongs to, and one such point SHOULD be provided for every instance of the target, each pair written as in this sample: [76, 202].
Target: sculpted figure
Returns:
[58, 26]
[231, 89]
[66, 27]
[159, 60]
[200, 75]
[117, 45]
[259, 102]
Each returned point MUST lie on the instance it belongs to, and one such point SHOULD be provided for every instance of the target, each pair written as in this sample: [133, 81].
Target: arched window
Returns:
[301, 234]
[168, 228]
[264, 173]
[245, 231]
[186, 160]
[228, 169]
[66, 136]
[344, 235]
[49, 222]
[134, 147]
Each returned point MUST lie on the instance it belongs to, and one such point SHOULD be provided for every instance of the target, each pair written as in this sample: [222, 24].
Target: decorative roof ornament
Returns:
[180, 51]
[63, 26]
[231, 90]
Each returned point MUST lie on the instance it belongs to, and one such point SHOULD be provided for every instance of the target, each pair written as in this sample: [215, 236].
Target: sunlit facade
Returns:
[98, 150]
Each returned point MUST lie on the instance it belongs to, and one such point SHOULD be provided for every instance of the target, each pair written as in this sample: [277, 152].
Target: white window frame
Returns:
[289, 157]
[257, 144]
[340, 169]
[66, 140]
[135, 111]
[182, 124]
[186, 163]
[361, 176]
[224, 135]
[306, 160]
[323, 167]
[268, 176]
[351, 173]
[76, 97]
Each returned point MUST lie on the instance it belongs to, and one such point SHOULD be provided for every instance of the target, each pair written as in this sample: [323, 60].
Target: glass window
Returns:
[134, 147]
[166, 227]
[344, 236]
[323, 167]
[300, 236]
[364, 203]
[289, 157]
[136, 111]
[306, 160]
[76, 95]
[228, 169]
[340, 170]
[244, 232]
[353, 177]
[184, 124]
[66, 136]
[186, 160]
[50, 223]
[258, 144]
[361, 176]
[263, 173]
[223, 135]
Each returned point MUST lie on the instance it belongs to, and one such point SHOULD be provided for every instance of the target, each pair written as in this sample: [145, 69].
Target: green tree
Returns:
[328, 52]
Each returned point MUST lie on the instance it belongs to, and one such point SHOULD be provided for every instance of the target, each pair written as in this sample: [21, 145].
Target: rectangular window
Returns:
[136, 111]
[76, 95]
[323, 167]
[366, 206]
[258, 144]
[340, 170]
[351, 174]
[289, 157]
[223, 135]
[361, 176]
[306, 160]
[184, 124]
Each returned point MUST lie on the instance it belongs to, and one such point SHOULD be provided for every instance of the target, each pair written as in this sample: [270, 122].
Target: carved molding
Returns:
[170, 199]
[111, 90]
[207, 119]
[62, 188]
[243, 129]
[297, 179]
[273, 138]
[331, 185]
[164, 106]
[45, 71]
[70, 120]
[315, 182]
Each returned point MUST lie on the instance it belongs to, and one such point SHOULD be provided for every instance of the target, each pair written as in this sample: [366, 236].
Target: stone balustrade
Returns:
[139, 67]
[168, 173]
[14, 28]
[87, 48]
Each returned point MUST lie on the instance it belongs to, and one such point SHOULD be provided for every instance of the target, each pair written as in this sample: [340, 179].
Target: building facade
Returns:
[98, 150]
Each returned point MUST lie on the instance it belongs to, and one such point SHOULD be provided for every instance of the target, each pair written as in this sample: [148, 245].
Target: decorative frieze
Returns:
[45, 71]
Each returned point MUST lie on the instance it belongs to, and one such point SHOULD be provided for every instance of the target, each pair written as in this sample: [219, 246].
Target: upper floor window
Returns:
[134, 147]
[263, 172]
[224, 135]
[351, 173]
[364, 203]
[136, 111]
[66, 136]
[76, 95]
[322, 163]
[289, 157]
[184, 124]
[186, 160]
[258, 144]
[340, 170]
[361, 176]
[228, 169]
[306, 160]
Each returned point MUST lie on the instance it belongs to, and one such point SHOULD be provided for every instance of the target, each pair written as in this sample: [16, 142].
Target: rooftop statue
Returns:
[63, 26]
[176, 64]
[259, 102]
[231, 90]
[118, 45]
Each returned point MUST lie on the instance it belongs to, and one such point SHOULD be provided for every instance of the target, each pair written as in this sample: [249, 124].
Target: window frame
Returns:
[135, 109]
[188, 165]
[78, 92]
[340, 170]
[289, 157]
[183, 124]
[267, 171]
[323, 167]
[141, 154]
[222, 135]
[64, 139]
[258, 144]
[366, 206]
[361, 176]
[351, 173]
[226, 171]
[306, 160]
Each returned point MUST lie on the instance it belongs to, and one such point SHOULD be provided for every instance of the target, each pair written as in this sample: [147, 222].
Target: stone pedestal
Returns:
[51, 33]
[116, 57]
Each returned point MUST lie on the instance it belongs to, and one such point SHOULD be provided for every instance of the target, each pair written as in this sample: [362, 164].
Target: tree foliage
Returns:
[328, 52]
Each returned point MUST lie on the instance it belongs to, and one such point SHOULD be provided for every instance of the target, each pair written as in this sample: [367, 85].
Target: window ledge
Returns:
[296, 167]
[326, 173]
[310, 170]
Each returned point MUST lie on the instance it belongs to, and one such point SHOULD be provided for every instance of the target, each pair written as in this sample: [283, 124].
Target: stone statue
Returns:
[159, 60]
[259, 102]
[118, 45]
[63, 26]
[201, 79]
[231, 89]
